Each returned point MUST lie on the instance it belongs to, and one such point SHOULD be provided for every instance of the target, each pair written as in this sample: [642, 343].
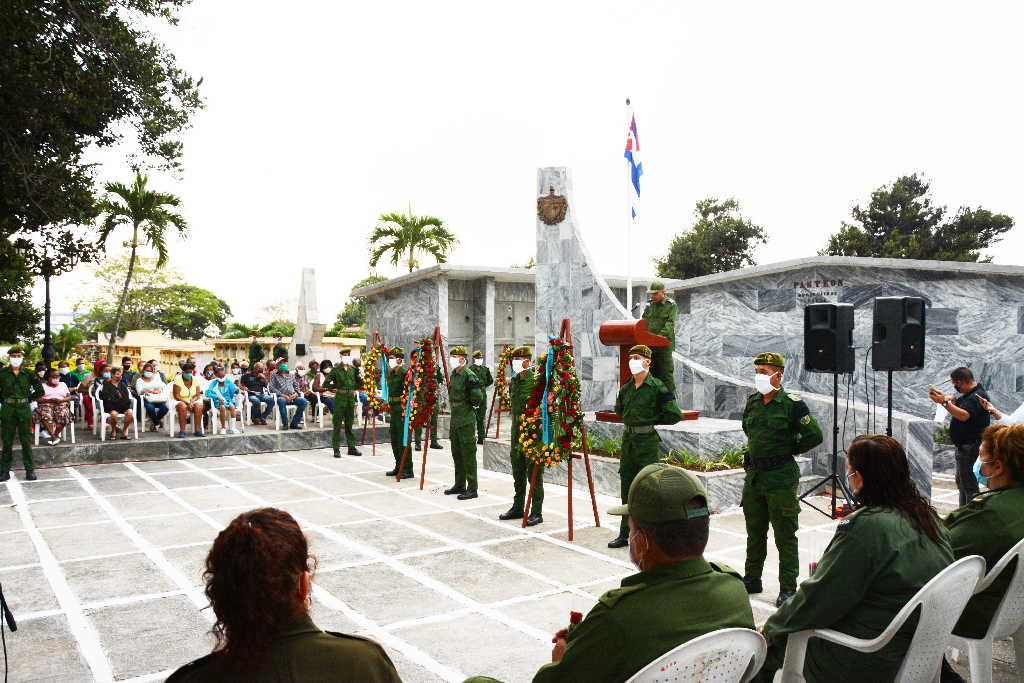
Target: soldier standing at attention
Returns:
[486, 379]
[396, 407]
[18, 388]
[524, 379]
[643, 402]
[255, 350]
[465, 394]
[778, 426]
[345, 381]
[280, 350]
[660, 315]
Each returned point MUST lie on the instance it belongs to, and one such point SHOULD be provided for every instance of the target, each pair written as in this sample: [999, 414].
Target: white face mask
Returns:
[455, 362]
[518, 365]
[393, 362]
[236, 371]
[764, 383]
[64, 371]
[478, 361]
[16, 361]
[636, 366]
[346, 360]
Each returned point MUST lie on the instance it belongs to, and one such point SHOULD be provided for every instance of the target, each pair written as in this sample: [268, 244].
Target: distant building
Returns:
[232, 350]
[144, 345]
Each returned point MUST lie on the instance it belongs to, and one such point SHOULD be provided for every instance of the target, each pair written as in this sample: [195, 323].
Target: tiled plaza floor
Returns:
[101, 563]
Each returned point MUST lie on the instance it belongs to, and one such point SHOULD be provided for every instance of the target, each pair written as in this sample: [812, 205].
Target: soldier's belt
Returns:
[17, 401]
[767, 463]
[639, 429]
[458, 404]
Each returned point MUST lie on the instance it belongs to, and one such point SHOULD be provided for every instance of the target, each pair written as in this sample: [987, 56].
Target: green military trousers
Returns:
[16, 418]
[481, 416]
[344, 413]
[522, 470]
[662, 366]
[780, 507]
[397, 427]
[463, 441]
[638, 451]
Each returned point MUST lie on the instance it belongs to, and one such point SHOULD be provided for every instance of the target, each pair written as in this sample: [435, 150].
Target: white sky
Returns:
[322, 115]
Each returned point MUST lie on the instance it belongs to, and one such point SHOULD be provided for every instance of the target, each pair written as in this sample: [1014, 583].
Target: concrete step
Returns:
[704, 437]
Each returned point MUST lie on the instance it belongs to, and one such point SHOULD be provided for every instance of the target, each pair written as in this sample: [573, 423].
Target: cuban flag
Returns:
[636, 167]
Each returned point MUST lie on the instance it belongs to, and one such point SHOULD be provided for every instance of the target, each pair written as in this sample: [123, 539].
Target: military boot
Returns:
[352, 450]
[5, 475]
[30, 475]
[434, 443]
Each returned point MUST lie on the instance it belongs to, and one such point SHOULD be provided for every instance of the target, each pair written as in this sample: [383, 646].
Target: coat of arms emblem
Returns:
[551, 207]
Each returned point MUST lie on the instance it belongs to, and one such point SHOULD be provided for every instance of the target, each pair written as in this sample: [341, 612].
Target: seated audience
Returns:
[41, 367]
[67, 377]
[319, 377]
[128, 376]
[287, 390]
[53, 408]
[157, 370]
[301, 379]
[880, 556]
[254, 384]
[258, 578]
[188, 393]
[117, 402]
[89, 380]
[153, 391]
[633, 625]
[222, 392]
[80, 370]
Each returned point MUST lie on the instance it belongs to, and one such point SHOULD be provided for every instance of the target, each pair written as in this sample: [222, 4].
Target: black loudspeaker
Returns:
[897, 333]
[828, 338]
[300, 349]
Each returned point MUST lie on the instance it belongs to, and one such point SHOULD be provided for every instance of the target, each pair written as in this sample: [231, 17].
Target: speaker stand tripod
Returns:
[888, 421]
[833, 477]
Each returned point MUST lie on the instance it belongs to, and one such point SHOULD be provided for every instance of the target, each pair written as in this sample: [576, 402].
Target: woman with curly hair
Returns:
[258, 577]
[880, 557]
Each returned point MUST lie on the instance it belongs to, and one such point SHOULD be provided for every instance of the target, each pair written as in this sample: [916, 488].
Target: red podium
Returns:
[625, 334]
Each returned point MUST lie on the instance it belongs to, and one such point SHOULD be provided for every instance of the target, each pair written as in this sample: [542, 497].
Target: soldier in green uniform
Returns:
[434, 443]
[778, 426]
[255, 350]
[524, 379]
[642, 403]
[486, 379]
[660, 315]
[465, 393]
[633, 625]
[345, 381]
[18, 388]
[395, 378]
[878, 559]
[280, 350]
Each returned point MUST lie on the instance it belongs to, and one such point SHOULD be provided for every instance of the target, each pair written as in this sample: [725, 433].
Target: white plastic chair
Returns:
[69, 428]
[731, 655]
[94, 394]
[317, 409]
[941, 601]
[1008, 621]
[136, 410]
[289, 408]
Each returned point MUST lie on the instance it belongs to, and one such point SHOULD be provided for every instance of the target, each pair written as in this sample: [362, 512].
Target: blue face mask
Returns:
[283, 367]
[186, 375]
[106, 375]
[982, 479]
[147, 374]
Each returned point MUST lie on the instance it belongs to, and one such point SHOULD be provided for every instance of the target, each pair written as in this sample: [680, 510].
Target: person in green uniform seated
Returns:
[258, 578]
[778, 426]
[18, 388]
[660, 315]
[524, 379]
[465, 393]
[395, 378]
[676, 596]
[280, 350]
[878, 559]
[642, 403]
[418, 432]
[989, 525]
[255, 350]
[486, 379]
[345, 381]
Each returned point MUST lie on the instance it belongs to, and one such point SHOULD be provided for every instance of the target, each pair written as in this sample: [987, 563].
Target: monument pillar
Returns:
[307, 340]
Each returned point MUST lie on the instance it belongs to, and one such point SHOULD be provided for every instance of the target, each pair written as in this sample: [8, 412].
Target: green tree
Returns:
[721, 239]
[145, 211]
[18, 318]
[66, 340]
[901, 221]
[79, 75]
[237, 330]
[405, 234]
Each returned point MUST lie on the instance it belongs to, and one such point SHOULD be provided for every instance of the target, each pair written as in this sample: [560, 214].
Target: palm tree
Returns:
[144, 210]
[67, 339]
[404, 235]
[238, 330]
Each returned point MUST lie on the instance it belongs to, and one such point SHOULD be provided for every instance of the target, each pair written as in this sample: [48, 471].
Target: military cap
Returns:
[770, 358]
[656, 287]
[644, 351]
[478, 354]
[396, 351]
[457, 351]
[521, 352]
[345, 352]
[661, 493]
[15, 349]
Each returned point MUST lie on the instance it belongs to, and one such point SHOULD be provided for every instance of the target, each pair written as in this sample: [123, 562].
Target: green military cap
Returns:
[457, 351]
[644, 351]
[770, 358]
[478, 354]
[656, 287]
[661, 493]
[345, 352]
[397, 351]
[15, 349]
[521, 352]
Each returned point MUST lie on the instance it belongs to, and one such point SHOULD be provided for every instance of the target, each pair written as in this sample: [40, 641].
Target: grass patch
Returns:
[729, 459]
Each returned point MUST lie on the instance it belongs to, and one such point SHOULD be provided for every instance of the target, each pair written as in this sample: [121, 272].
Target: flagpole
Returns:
[629, 225]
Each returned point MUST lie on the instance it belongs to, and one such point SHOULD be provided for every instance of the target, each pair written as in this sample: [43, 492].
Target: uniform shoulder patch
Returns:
[794, 397]
[725, 569]
[979, 500]
[613, 596]
[805, 420]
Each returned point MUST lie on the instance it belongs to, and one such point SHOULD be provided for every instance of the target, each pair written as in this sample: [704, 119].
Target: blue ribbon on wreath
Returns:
[384, 377]
[545, 409]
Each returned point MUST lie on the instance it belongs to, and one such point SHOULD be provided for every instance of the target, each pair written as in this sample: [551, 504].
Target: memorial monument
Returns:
[309, 331]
